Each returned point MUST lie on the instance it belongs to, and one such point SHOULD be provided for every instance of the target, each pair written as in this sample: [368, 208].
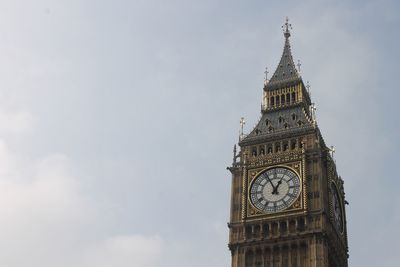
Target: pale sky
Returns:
[118, 119]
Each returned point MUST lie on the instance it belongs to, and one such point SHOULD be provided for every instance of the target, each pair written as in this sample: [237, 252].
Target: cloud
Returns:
[40, 208]
[45, 217]
[15, 122]
[40, 187]
[125, 251]
[144, 109]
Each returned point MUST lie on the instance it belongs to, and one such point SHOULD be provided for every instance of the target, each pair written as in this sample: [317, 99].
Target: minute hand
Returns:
[269, 180]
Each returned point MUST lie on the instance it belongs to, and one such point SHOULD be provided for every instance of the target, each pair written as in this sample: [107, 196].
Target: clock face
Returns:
[337, 208]
[275, 189]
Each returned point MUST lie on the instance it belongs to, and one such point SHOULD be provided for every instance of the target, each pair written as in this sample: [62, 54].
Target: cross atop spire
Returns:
[286, 28]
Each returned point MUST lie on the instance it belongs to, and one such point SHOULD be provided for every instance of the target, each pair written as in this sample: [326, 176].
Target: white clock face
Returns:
[337, 208]
[275, 189]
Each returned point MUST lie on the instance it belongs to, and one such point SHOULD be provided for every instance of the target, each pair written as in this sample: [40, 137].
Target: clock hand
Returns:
[276, 188]
[275, 191]
[273, 187]
[277, 185]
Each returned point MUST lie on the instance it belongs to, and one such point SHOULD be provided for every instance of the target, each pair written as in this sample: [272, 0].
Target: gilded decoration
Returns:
[287, 198]
[293, 160]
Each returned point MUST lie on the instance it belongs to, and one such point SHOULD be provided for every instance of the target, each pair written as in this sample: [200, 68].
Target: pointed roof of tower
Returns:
[286, 72]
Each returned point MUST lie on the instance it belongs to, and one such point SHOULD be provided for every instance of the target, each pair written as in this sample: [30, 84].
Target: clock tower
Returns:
[287, 199]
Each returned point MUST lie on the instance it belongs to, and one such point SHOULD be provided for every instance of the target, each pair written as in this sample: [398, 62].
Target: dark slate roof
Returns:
[286, 72]
[278, 122]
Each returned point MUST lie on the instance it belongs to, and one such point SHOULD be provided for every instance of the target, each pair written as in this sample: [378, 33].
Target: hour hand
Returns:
[278, 184]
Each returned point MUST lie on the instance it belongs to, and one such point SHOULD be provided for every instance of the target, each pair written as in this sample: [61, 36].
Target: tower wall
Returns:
[264, 230]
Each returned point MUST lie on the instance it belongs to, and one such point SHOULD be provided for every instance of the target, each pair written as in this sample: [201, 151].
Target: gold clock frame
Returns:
[250, 182]
[249, 212]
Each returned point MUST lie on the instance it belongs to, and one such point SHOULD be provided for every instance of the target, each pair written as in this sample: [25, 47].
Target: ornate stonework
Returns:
[286, 146]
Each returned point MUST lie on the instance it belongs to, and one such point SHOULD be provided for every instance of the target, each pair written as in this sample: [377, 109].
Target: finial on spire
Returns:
[242, 123]
[308, 88]
[266, 75]
[286, 28]
[313, 110]
[298, 66]
[332, 151]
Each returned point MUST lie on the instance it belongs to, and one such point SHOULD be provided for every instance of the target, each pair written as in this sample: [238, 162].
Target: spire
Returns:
[286, 72]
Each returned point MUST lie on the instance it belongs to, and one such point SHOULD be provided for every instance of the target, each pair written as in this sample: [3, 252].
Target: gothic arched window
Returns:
[249, 258]
[277, 147]
[249, 232]
[258, 259]
[285, 146]
[266, 230]
[293, 144]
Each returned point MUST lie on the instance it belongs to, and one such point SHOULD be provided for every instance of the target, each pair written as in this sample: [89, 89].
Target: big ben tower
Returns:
[287, 200]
